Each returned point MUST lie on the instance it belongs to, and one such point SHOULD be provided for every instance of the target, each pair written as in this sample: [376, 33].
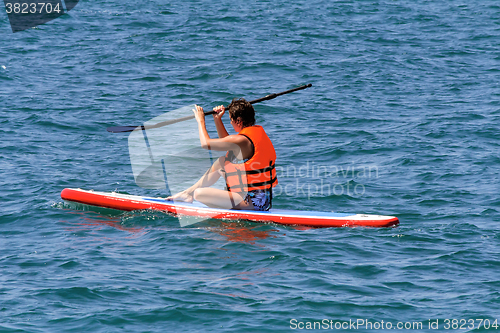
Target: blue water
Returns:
[402, 119]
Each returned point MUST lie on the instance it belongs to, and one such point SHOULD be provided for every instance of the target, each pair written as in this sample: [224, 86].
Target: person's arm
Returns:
[219, 125]
[234, 143]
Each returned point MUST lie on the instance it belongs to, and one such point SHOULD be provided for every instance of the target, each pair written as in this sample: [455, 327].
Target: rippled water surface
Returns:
[402, 119]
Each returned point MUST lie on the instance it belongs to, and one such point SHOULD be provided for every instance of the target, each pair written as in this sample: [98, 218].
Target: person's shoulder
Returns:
[236, 138]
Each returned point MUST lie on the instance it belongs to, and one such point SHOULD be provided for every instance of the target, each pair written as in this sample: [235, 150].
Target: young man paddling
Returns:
[248, 167]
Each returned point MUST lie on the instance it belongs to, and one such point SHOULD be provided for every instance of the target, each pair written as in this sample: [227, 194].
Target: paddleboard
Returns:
[281, 216]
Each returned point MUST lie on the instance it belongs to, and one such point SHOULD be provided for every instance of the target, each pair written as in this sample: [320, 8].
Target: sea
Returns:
[402, 119]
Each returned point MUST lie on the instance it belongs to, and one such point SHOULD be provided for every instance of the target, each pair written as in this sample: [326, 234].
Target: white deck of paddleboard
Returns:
[273, 211]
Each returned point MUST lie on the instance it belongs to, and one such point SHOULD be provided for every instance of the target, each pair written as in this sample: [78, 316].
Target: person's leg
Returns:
[216, 198]
[208, 179]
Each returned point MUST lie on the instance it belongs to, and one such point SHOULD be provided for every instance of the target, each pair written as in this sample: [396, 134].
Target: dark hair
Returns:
[241, 109]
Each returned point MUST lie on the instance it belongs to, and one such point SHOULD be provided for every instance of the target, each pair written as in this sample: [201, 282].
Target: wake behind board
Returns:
[281, 216]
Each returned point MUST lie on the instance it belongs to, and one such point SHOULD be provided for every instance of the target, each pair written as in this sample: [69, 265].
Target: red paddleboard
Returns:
[281, 216]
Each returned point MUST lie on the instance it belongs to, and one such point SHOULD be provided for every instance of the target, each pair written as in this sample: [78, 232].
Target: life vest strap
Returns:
[251, 172]
[249, 186]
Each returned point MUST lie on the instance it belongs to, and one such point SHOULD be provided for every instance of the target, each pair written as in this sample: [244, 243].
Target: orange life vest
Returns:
[259, 170]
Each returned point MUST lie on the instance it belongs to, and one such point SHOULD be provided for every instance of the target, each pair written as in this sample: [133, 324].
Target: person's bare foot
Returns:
[182, 196]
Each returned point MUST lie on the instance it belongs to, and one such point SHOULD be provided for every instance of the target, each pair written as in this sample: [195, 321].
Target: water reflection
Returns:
[242, 232]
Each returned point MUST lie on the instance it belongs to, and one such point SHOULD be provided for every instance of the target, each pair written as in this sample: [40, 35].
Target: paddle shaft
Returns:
[121, 129]
[271, 96]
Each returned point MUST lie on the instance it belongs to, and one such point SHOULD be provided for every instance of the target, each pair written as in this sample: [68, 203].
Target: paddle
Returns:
[120, 129]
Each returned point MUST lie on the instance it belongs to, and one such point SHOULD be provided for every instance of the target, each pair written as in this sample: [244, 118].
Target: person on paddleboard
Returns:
[248, 167]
